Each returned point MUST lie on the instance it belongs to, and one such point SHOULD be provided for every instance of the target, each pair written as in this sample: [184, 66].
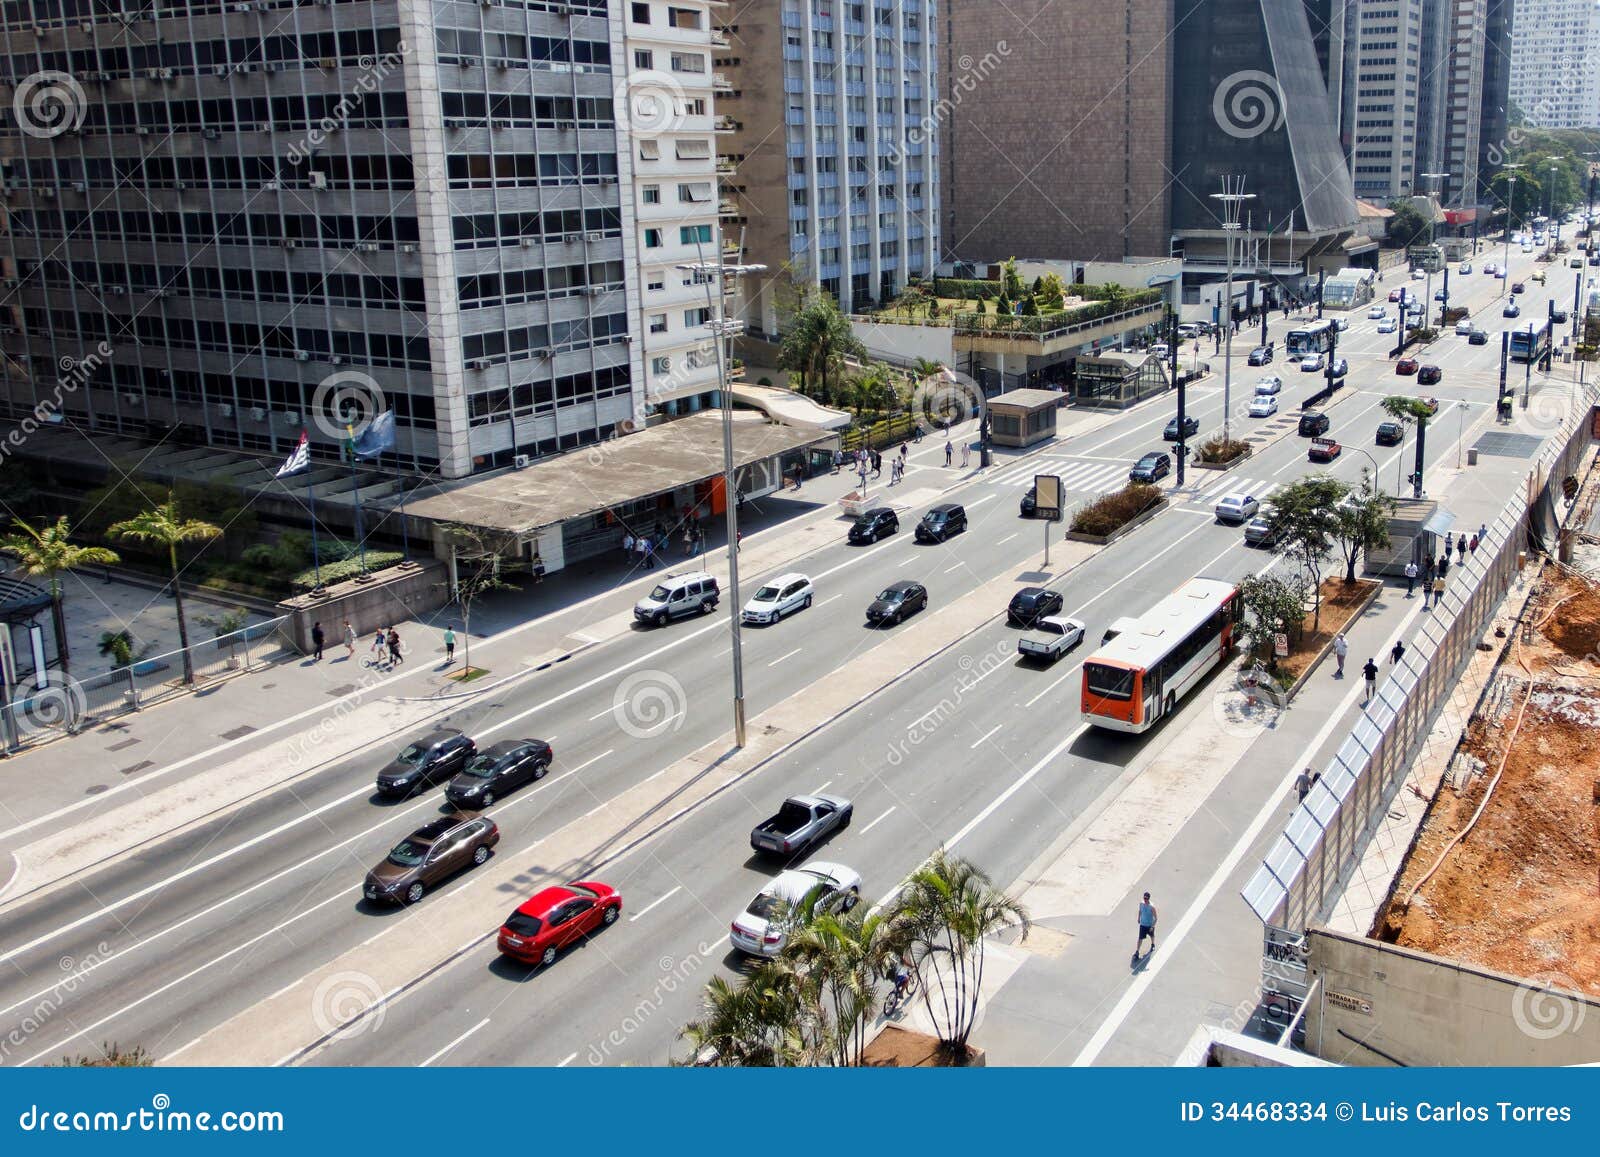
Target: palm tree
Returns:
[164, 526]
[818, 341]
[838, 961]
[752, 1024]
[1407, 410]
[924, 368]
[47, 553]
[946, 911]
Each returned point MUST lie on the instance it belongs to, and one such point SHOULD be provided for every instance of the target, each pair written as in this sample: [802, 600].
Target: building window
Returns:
[697, 193]
[649, 150]
[652, 194]
[658, 323]
[656, 282]
[661, 366]
[694, 318]
[641, 14]
[688, 62]
[652, 239]
[695, 234]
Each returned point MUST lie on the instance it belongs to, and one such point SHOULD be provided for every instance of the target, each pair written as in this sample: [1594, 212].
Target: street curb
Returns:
[444, 695]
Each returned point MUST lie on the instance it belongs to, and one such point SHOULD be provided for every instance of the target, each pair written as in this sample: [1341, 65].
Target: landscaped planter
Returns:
[1126, 528]
[1335, 620]
[1228, 465]
[901, 1048]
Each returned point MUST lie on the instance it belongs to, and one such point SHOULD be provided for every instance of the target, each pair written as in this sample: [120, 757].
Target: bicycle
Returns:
[905, 987]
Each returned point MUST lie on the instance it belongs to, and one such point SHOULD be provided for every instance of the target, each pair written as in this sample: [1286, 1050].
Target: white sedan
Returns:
[1388, 325]
[1311, 363]
[1237, 508]
[793, 899]
[1376, 312]
[1270, 384]
[1263, 406]
[781, 596]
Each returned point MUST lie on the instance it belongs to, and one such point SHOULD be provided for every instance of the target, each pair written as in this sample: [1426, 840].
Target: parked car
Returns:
[430, 855]
[801, 822]
[677, 595]
[1263, 406]
[1464, 327]
[1271, 384]
[791, 901]
[782, 596]
[1418, 274]
[874, 524]
[897, 602]
[1388, 325]
[1188, 330]
[1151, 468]
[1376, 311]
[943, 521]
[1260, 531]
[425, 763]
[1405, 367]
[1031, 604]
[1054, 636]
[1429, 376]
[1311, 363]
[1236, 508]
[1391, 433]
[1312, 423]
[1512, 309]
[1339, 368]
[556, 918]
[498, 770]
[1191, 427]
[1478, 337]
[1324, 450]
[1260, 356]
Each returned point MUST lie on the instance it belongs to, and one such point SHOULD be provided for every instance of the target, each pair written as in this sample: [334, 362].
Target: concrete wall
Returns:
[395, 596]
[904, 344]
[1422, 1009]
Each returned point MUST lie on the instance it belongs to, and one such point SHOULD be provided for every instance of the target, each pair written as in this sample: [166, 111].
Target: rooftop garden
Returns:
[1009, 303]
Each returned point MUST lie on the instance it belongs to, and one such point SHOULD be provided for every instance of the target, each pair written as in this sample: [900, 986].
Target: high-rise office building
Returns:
[1493, 122]
[833, 122]
[1555, 63]
[1388, 53]
[244, 201]
[1463, 102]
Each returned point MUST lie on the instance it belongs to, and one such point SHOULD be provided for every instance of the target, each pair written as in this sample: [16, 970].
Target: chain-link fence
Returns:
[51, 704]
[1302, 875]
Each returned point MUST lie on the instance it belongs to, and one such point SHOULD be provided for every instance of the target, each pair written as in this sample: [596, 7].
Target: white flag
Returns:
[299, 460]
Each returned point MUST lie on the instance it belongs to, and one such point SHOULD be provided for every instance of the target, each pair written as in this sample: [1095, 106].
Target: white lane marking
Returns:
[662, 899]
[1197, 907]
[953, 569]
[877, 821]
[984, 738]
[821, 788]
[835, 598]
[781, 658]
[453, 1043]
[1006, 539]
[567, 1061]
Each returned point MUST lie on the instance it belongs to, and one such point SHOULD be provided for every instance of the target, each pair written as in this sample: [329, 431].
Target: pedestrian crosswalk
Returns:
[1205, 491]
[1075, 473]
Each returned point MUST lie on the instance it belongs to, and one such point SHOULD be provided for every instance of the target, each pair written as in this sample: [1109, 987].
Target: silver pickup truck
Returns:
[801, 822]
[1053, 637]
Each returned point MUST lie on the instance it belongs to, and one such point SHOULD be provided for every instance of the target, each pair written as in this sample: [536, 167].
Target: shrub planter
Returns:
[1128, 527]
[1336, 619]
[1197, 464]
[901, 1048]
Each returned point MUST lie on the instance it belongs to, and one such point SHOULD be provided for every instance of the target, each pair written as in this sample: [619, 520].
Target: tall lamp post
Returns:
[725, 330]
[1555, 222]
[1435, 205]
[1172, 366]
[1511, 200]
[1232, 199]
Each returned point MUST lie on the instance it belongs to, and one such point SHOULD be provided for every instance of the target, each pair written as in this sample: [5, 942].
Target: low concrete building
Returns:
[1023, 418]
[1117, 380]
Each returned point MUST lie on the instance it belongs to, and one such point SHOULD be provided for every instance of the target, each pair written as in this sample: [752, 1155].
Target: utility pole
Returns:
[1434, 205]
[1322, 277]
[1511, 200]
[1527, 369]
[1502, 402]
[1232, 198]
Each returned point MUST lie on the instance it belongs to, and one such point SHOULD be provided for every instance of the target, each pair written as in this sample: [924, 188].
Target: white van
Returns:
[677, 595]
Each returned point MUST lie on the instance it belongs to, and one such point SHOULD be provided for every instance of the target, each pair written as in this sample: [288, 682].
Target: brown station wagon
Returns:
[429, 856]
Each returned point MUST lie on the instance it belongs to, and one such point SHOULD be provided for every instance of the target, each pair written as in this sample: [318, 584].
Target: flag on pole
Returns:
[377, 437]
[299, 460]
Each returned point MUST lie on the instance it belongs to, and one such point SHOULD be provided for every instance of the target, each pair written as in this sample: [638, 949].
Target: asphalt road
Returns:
[168, 942]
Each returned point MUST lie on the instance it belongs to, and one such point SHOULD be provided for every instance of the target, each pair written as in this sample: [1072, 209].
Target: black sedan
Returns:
[1031, 604]
[1030, 502]
[1191, 427]
[1390, 434]
[874, 524]
[429, 761]
[497, 771]
[1151, 468]
[897, 602]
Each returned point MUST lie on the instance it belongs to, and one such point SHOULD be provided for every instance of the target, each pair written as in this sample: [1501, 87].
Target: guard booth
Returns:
[1416, 534]
[1023, 418]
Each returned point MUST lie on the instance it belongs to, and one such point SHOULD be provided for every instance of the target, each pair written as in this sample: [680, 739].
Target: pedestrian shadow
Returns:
[1139, 963]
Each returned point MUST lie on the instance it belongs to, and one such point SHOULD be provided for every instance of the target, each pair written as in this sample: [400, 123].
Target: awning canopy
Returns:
[1441, 521]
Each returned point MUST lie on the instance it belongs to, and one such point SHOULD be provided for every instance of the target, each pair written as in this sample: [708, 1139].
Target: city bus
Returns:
[1531, 342]
[1134, 681]
[1316, 338]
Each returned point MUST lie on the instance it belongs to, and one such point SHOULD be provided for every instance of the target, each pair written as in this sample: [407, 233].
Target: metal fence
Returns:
[1303, 874]
[53, 704]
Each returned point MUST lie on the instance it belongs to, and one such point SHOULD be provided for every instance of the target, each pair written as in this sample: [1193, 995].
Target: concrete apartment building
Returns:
[1463, 91]
[1388, 128]
[832, 124]
[434, 200]
[1555, 63]
[1493, 122]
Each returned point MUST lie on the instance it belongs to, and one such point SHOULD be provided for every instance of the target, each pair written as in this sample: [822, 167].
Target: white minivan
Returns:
[773, 600]
[677, 595]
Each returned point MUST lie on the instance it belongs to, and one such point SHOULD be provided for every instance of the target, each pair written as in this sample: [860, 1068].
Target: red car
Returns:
[1406, 366]
[1394, 295]
[557, 917]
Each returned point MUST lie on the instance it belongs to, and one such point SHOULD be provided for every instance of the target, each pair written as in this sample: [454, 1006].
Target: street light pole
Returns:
[1511, 200]
[1232, 198]
[1434, 204]
[1527, 375]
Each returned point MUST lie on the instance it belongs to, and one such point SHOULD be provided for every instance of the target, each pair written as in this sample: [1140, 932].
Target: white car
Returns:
[1341, 324]
[1236, 508]
[791, 900]
[1375, 312]
[783, 595]
[1466, 268]
[1270, 384]
[1388, 325]
[1263, 406]
[1464, 327]
[1491, 268]
[1161, 349]
[1311, 363]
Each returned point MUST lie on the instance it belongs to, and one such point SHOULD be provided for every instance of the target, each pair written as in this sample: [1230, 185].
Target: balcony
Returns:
[728, 207]
[726, 166]
[725, 124]
[720, 82]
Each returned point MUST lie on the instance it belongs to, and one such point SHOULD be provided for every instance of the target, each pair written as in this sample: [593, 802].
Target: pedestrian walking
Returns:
[1370, 674]
[1438, 590]
[394, 647]
[1147, 926]
[1397, 652]
[349, 639]
[1411, 578]
[380, 646]
[738, 541]
[877, 464]
[1483, 531]
[1444, 564]
[688, 543]
[1428, 566]
[317, 639]
[1341, 648]
[1302, 785]
[905, 450]
[949, 451]
[449, 645]
[966, 454]
[1461, 549]
[1449, 543]
[1472, 547]
[627, 545]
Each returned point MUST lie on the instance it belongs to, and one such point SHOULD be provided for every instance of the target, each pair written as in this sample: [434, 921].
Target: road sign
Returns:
[1280, 645]
[1047, 496]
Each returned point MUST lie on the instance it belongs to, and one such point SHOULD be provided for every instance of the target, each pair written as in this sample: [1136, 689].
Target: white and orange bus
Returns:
[1135, 680]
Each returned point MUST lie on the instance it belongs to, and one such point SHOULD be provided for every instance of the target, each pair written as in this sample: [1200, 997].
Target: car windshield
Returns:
[934, 516]
[866, 520]
[1149, 460]
[661, 594]
[769, 594]
[891, 595]
[521, 925]
[482, 766]
[412, 755]
[408, 854]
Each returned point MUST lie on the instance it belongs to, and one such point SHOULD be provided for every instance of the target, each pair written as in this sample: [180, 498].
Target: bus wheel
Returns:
[1172, 702]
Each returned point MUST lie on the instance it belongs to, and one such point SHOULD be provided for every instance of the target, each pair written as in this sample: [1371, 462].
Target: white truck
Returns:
[1053, 637]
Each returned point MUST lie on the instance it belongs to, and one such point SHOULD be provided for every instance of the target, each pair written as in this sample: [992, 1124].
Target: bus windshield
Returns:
[1316, 338]
[1108, 682]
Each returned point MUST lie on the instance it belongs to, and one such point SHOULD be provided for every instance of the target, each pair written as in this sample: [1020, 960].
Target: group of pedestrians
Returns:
[646, 548]
[319, 640]
[385, 650]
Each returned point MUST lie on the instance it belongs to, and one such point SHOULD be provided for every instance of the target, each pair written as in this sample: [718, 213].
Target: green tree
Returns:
[1054, 293]
[755, 1023]
[1302, 520]
[1411, 411]
[1029, 307]
[475, 559]
[924, 368]
[818, 342]
[838, 961]
[111, 1056]
[163, 526]
[1272, 603]
[48, 553]
[118, 647]
[946, 910]
[1010, 279]
[1361, 523]
[1407, 226]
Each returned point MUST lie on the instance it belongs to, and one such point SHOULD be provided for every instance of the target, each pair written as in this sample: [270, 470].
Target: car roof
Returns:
[900, 585]
[1029, 593]
[1062, 621]
[1236, 497]
[784, 580]
[945, 508]
[541, 902]
[686, 576]
[1154, 454]
[876, 511]
[436, 736]
[437, 829]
